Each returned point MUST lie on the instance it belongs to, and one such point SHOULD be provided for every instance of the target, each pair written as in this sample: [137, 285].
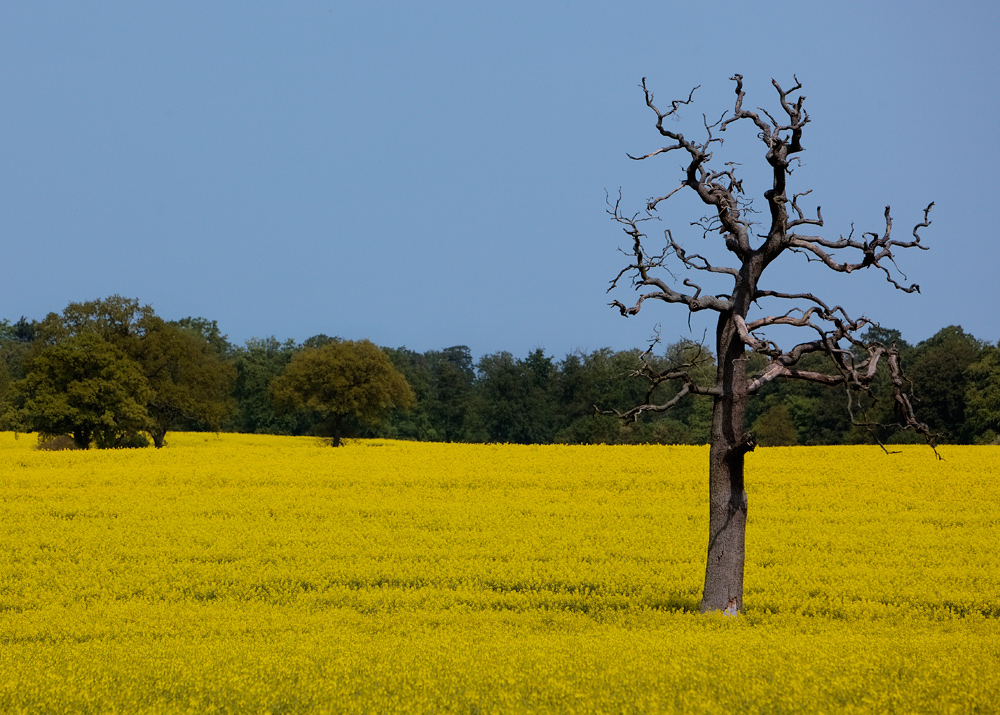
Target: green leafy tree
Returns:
[415, 423]
[209, 331]
[105, 401]
[257, 363]
[5, 396]
[185, 381]
[775, 428]
[938, 367]
[318, 341]
[443, 383]
[451, 395]
[87, 387]
[15, 344]
[344, 385]
[119, 320]
[517, 398]
[190, 384]
[982, 396]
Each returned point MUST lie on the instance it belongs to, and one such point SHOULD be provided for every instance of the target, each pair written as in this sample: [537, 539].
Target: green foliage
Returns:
[194, 379]
[15, 346]
[343, 385]
[982, 396]
[318, 341]
[207, 330]
[415, 423]
[518, 401]
[116, 319]
[190, 382]
[938, 369]
[81, 376]
[451, 400]
[257, 363]
[775, 428]
[171, 374]
[86, 387]
[443, 383]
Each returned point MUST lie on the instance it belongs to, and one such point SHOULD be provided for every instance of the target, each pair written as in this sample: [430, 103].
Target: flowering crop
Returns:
[241, 573]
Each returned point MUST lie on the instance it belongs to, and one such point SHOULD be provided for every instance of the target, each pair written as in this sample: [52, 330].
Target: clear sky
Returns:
[433, 173]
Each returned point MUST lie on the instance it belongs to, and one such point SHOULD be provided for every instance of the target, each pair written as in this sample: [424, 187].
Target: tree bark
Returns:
[727, 496]
[82, 436]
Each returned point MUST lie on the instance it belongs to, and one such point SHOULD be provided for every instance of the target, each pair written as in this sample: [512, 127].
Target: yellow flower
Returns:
[238, 573]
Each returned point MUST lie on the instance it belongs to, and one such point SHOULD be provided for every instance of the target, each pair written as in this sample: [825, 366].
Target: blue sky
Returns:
[432, 174]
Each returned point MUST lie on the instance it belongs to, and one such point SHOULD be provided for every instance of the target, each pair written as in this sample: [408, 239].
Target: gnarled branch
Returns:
[721, 189]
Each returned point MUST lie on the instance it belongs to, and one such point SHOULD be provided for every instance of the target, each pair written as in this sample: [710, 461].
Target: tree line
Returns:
[111, 373]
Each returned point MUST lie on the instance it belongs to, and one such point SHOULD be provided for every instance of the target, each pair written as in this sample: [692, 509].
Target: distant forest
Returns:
[110, 372]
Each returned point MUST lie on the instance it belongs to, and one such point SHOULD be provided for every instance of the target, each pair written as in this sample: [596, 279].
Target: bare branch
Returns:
[791, 296]
[661, 150]
[681, 371]
[697, 261]
[640, 271]
[706, 184]
[634, 413]
[651, 205]
[740, 113]
[802, 220]
[876, 250]
[674, 106]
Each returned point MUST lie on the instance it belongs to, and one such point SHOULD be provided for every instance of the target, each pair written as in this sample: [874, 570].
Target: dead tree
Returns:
[829, 329]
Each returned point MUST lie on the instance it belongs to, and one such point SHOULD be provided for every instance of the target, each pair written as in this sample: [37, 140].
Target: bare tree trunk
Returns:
[727, 497]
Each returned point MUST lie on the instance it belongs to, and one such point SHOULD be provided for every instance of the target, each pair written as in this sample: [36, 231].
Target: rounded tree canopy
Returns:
[345, 384]
[87, 387]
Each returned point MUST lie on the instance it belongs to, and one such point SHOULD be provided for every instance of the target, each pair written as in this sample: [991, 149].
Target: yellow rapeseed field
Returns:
[253, 574]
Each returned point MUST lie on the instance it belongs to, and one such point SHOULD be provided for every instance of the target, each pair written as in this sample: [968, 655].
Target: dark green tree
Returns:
[344, 385]
[186, 381]
[450, 403]
[257, 363]
[982, 396]
[15, 347]
[86, 387]
[775, 428]
[207, 330]
[937, 366]
[443, 382]
[415, 423]
[318, 341]
[119, 320]
[113, 327]
[517, 398]
[190, 383]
